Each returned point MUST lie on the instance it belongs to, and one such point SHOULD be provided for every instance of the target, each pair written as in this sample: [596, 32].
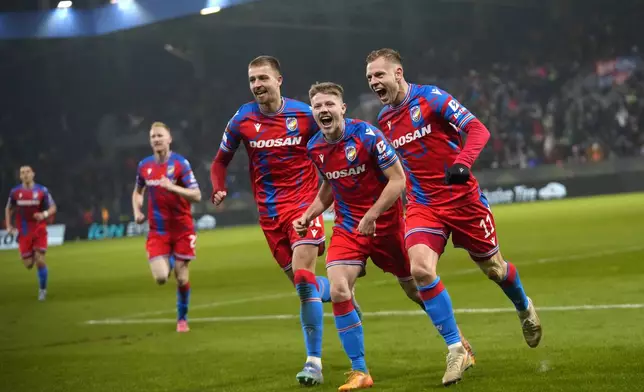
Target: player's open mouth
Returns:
[260, 93]
[326, 120]
[380, 91]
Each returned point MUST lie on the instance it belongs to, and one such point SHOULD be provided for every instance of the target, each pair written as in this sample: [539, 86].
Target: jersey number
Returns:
[193, 241]
[484, 226]
[315, 223]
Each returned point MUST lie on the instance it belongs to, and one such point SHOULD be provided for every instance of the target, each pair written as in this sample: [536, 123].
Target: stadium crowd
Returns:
[559, 105]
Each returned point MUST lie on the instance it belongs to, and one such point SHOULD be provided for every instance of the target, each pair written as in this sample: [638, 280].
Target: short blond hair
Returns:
[326, 88]
[159, 124]
[387, 53]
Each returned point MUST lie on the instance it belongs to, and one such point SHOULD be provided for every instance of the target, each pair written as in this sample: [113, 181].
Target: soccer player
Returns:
[363, 176]
[32, 204]
[424, 124]
[172, 187]
[275, 130]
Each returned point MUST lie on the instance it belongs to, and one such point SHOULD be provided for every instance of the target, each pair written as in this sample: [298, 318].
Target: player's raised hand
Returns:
[139, 217]
[367, 225]
[301, 225]
[217, 197]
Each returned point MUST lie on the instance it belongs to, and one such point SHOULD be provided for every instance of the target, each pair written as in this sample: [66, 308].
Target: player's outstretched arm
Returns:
[393, 190]
[137, 204]
[322, 202]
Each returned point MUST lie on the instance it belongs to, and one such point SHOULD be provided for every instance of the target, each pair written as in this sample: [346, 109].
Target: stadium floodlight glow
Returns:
[64, 4]
[210, 10]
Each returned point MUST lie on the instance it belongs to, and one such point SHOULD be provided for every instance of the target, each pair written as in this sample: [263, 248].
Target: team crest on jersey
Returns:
[351, 153]
[170, 171]
[415, 113]
[149, 170]
[291, 123]
[35, 195]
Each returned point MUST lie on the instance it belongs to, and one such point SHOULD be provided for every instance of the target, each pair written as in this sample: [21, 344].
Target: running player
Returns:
[363, 176]
[172, 187]
[274, 131]
[33, 205]
[424, 125]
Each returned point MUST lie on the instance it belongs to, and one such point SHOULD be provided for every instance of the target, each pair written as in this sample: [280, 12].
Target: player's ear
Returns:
[398, 73]
[279, 80]
[344, 108]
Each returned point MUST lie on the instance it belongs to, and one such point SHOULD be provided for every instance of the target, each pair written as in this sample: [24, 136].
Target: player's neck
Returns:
[402, 93]
[28, 185]
[161, 156]
[271, 107]
[336, 135]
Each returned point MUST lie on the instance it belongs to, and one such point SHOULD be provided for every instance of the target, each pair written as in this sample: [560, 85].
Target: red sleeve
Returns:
[218, 170]
[477, 137]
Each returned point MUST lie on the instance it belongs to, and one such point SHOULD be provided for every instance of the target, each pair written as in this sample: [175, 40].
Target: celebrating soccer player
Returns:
[424, 124]
[275, 130]
[171, 187]
[32, 204]
[362, 174]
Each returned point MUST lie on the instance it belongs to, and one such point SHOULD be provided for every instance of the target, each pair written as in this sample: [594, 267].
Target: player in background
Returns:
[274, 131]
[172, 187]
[363, 176]
[424, 124]
[33, 205]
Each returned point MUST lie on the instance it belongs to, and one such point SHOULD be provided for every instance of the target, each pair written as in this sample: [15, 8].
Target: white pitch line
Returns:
[387, 281]
[267, 297]
[384, 313]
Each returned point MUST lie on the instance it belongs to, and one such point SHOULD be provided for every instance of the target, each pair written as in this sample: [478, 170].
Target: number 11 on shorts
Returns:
[484, 224]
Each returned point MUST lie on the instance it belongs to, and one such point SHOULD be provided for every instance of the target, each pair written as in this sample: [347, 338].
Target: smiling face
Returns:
[385, 76]
[264, 82]
[328, 108]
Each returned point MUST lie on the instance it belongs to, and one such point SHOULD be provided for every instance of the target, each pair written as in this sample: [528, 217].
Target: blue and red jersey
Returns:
[25, 202]
[426, 129]
[282, 176]
[353, 165]
[168, 213]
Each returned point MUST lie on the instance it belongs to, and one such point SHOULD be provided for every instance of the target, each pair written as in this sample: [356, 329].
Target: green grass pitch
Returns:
[573, 256]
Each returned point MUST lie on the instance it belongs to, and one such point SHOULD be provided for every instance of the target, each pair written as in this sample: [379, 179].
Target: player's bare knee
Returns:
[340, 291]
[160, 269]
[182, 273]
[304, 257]
[495, 268]
[423, 271]
[423, 260]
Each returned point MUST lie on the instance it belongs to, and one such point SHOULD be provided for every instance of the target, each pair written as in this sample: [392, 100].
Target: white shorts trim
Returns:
[336, 263]
[426, 230]
[308, 242]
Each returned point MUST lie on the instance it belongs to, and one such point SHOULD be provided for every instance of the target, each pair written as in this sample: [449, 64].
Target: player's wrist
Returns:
[45, 214]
